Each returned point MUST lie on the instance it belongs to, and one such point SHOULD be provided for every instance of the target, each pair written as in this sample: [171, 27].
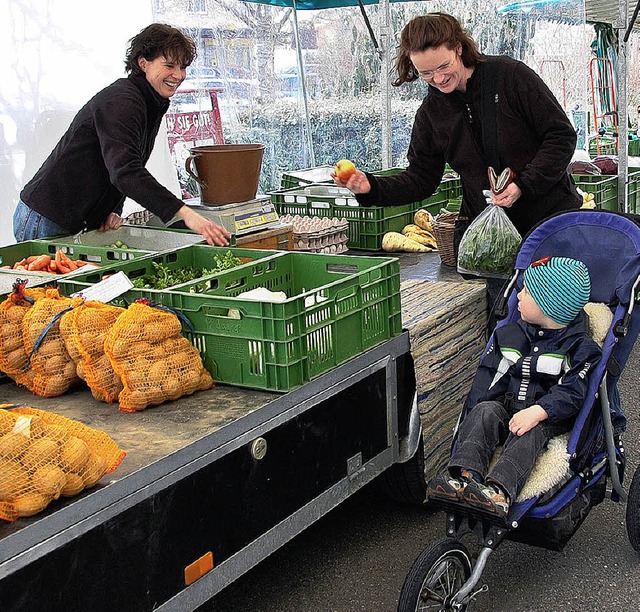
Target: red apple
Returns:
[344, 169]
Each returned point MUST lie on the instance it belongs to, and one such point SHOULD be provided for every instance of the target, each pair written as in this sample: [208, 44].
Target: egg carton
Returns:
[318, 234]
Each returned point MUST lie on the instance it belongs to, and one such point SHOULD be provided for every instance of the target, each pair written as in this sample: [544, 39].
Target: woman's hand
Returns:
[357, 183]
[213, 233]
[524, 420]
[508, 197]
[113, 221]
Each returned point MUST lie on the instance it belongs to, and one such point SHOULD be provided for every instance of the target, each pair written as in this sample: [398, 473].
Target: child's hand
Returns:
[521, 422]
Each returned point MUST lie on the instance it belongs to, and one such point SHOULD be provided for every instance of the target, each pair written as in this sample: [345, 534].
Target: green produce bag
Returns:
[489, 246]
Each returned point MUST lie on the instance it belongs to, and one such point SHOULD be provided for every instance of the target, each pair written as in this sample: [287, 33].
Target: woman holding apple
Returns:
[534, 135]
[101, 158]
[480, 111]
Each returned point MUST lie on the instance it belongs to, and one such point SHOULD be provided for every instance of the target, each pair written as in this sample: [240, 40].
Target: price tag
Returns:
[107, 289]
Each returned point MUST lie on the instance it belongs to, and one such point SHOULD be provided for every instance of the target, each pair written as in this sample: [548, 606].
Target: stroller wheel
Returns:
[633, 511]
[435, 577]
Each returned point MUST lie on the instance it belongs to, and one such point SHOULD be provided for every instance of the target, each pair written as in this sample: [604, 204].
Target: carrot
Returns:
[22, 262]
[31, 258]
[69, 263]
[41, 262]
[61, 267]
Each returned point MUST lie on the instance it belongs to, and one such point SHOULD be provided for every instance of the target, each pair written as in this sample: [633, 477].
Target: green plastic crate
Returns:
[634, 190]
[138, 240]
[608, 146]
[336, 308]
[306, 176]
[367, 225]
[195, 256]
[603, 187]
[13, 253]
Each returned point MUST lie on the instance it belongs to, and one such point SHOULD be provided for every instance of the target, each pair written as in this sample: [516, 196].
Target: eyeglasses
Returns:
[427, 75]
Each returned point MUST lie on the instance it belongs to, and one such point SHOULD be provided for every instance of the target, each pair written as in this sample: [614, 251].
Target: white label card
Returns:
[107, 289]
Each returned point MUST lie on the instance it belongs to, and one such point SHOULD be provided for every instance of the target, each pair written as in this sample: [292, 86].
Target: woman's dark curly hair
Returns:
[430, 31]
[156, 40]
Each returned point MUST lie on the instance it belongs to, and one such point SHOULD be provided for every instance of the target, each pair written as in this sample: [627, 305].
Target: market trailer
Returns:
[216, 480]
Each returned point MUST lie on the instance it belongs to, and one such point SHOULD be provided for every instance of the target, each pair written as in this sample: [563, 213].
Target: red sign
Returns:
[195, 126]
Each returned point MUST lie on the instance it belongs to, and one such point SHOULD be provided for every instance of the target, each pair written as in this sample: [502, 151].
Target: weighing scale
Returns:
[240, 218]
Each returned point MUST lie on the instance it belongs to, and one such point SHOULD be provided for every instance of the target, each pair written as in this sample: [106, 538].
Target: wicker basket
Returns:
[443, 228]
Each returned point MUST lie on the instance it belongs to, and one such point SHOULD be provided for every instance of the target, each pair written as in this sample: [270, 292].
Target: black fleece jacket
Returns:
[101, 159]
[535, 139]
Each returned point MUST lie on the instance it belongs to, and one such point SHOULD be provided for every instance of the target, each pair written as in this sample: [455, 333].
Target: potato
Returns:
[74, 454]
[16, 313]
[57, 433]
[49, 480]
[171, 387]
[43, 450]
[73, 485]
[119, 349]
[12, 342]
[54, 386]
[53, 365]
[206, 381]
[14, 479]
[94, 471]
[92, 342]
[30, 504]
[7, 421]
[13, 445]
[15, 361]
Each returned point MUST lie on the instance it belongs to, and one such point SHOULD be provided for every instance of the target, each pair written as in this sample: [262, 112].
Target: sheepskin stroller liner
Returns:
[444, 576]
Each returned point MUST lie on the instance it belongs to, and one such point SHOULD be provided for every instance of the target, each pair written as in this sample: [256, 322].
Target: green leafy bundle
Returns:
[164, 277]
[490, 245]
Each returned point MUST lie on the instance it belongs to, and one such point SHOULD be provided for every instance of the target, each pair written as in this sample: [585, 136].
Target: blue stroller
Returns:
[444, 576]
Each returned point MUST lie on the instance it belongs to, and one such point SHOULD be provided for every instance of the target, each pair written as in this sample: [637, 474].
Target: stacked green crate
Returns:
[367, 225]
[129, 241]
[603, 187]
[634, 190]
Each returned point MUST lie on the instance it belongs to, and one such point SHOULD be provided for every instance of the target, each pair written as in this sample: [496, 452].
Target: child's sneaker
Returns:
[446, 487]
[486, 497]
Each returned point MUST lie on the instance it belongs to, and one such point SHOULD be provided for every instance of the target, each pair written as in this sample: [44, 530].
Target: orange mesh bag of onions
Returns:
[83, 330]
[44, 456]
[54, 369]
[13, 356]
[154, 360]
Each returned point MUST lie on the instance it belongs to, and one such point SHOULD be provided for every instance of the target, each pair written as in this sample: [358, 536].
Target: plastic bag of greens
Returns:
[489, 246]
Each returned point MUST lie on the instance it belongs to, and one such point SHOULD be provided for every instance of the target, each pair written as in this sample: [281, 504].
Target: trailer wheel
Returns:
[435, 577]
[405, 482]
[633, 511]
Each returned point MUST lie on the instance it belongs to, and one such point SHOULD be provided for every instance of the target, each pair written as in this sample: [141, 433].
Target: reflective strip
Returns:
[550, 364]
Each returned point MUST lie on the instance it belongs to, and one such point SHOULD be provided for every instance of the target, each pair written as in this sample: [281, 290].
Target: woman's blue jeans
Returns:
[30, 225]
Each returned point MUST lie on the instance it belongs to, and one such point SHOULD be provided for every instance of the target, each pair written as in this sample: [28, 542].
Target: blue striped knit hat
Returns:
[560, 286]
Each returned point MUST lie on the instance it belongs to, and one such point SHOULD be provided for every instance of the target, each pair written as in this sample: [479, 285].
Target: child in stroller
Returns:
[445, 575]
[529, 387]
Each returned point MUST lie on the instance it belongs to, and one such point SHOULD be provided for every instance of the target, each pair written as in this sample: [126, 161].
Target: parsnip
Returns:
[394, 241]
[423, 219]
[425, 240]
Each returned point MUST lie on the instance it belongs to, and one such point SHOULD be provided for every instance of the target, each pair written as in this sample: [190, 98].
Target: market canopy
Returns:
[317, 4]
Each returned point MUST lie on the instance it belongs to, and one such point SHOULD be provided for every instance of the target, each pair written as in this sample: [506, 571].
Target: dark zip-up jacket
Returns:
[101, 159]
[535, 139]
[527, 365]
